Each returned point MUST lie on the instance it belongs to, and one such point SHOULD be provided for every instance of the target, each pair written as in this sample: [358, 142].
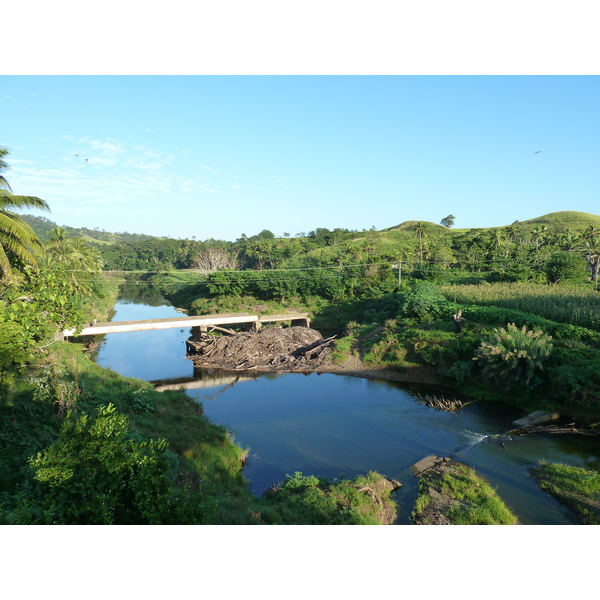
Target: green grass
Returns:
[471, 499]
[577, 488]
[566, 220]
[305, 500]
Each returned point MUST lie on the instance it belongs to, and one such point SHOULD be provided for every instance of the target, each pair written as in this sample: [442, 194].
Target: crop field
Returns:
[573, 304]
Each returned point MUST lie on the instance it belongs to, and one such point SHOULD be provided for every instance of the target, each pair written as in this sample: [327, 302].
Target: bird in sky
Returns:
[537, 152]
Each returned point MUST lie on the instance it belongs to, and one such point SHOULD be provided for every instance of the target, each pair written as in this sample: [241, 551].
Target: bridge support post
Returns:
[255, 326]
[304, 322]
[198, 331]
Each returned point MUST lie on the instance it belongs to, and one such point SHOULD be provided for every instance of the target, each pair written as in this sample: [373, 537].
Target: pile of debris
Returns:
[299, 349]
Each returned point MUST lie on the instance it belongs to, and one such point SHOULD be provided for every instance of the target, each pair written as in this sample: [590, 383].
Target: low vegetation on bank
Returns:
[311, 500]
[453, 494]
[83, 445]
[575, 487]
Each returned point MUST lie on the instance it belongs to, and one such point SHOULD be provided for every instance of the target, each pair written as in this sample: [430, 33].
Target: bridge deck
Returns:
[183, 322]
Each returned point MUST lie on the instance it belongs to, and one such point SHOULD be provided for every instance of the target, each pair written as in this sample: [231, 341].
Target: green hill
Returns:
[561, 221]
[43, 226]
[412, 225]
[384, 239]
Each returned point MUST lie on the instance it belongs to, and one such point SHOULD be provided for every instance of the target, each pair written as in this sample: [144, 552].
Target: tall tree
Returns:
[448, 221]
[17, 238]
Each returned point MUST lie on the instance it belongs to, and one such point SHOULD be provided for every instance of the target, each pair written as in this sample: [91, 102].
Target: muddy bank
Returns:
[291, 350]
[354, 367]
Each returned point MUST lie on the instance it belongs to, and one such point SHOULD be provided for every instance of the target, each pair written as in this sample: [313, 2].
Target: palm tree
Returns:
[17, 238]
[539, 234]
[569, 240]
[421, 232]
[592, 255]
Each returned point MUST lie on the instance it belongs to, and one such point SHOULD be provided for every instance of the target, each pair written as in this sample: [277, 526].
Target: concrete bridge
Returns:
[198, 324]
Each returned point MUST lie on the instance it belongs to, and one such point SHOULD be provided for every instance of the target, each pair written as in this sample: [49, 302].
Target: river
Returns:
[338, 426]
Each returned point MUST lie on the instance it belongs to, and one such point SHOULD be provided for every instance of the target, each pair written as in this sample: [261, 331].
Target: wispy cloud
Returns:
[145, 158]
[119, 182]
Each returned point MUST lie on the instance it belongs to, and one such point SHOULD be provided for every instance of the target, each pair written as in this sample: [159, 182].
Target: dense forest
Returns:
[507, 314]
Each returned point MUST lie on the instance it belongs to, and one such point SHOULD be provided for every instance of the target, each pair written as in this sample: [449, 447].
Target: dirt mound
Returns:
[271, 349]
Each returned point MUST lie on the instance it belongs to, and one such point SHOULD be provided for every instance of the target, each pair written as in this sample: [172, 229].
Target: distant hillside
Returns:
[412, 225]
[560, 221]
[43, 226]
[556, 222]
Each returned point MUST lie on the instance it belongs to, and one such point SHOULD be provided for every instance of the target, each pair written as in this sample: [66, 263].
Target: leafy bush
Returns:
[423, 301]
[566, 267]
[513, 357]
[95, 473]
[577, 388]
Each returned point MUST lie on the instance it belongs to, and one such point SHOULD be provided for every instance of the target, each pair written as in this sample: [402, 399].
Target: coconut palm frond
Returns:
[8, 201]
[5, 269]
[4, 167]
[13, 225]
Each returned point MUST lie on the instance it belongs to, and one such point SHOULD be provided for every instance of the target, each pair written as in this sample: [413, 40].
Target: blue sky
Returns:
[218, 156]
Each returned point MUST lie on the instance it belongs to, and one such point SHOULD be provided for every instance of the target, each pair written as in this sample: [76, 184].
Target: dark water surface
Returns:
[338, 426]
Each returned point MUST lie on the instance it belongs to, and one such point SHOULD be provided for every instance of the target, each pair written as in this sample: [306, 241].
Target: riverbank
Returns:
[354, 367]
[451, 493]
[294, 350]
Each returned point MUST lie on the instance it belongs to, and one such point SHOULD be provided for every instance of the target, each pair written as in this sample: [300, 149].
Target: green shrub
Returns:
[95, 473]
[566, 267]
[513, 357]
[423, 301]
[577, 387]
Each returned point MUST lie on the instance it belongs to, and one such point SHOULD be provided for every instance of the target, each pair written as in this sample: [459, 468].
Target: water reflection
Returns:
[147, 355]
[141, 293]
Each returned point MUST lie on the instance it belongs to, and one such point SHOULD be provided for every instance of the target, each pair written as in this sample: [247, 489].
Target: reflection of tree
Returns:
[142, 293]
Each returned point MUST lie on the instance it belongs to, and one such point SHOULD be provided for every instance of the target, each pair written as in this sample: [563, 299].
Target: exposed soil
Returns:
[354, 367]
[291, 349]
[434, 513]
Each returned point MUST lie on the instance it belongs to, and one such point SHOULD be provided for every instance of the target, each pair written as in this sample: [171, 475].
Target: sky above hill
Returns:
[218, 156]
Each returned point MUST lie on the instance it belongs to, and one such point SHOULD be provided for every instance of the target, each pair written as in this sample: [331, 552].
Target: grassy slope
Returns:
[560, 221]
[575, 487]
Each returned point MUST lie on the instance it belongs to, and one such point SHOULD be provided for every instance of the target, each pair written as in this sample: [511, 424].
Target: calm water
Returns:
[147, 355]
[338, 426]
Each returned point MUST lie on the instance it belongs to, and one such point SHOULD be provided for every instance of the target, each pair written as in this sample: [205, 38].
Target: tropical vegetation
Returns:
[83, 445]
[18, 241]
